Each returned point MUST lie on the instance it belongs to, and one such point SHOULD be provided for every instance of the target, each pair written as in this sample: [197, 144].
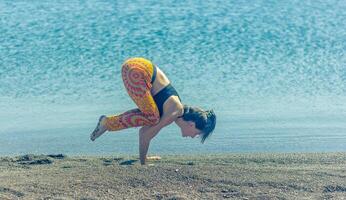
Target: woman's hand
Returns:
[153, 158]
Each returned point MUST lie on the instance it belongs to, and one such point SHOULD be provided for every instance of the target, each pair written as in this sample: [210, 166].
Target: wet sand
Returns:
[227, 176]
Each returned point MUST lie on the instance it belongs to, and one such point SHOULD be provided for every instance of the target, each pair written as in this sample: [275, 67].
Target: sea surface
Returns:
[273, 71]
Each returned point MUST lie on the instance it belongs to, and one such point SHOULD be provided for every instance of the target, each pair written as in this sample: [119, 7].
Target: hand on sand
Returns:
[100, 129]
[153, 158]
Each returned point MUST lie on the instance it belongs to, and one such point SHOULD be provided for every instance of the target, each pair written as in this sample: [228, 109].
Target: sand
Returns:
[226, 176]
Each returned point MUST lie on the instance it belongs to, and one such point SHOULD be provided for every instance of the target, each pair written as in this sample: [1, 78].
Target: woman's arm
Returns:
[147, 133]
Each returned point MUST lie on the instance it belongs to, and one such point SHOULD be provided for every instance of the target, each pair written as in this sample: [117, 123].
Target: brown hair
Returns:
[204, 120]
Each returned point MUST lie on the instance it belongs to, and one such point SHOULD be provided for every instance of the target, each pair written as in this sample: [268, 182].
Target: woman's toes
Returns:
[100, 128]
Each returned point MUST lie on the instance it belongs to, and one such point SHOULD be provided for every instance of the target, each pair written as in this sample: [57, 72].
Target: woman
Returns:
[158, 106]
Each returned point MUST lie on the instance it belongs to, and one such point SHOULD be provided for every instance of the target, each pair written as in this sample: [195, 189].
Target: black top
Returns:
[163, 95]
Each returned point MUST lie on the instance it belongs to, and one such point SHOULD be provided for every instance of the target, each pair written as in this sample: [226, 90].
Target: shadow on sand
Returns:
[128, 162]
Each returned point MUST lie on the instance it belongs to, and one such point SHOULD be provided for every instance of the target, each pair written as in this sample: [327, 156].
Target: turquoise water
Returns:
[273, 71]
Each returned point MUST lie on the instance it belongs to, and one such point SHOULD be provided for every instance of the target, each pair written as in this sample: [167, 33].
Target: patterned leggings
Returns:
[136, 75]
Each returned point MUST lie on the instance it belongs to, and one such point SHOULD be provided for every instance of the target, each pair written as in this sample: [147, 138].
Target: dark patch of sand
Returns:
[30, 159]
[57, 156]
[11, 191]
[33, 160]
[335, 188]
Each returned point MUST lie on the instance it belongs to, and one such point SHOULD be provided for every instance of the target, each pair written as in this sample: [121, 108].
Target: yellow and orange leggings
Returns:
[137, 76]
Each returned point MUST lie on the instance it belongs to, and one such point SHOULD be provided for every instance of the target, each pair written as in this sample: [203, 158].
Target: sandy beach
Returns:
[227, 176]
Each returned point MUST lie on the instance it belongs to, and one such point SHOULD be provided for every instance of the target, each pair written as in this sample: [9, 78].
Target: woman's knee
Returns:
[137, 60]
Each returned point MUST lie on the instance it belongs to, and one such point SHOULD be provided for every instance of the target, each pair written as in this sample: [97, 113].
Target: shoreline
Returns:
[217, 176]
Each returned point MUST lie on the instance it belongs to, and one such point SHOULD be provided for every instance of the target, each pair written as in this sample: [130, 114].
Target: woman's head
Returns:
[197, 122]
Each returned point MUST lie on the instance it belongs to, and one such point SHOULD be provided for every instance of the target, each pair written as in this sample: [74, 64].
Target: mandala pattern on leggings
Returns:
[136, 75]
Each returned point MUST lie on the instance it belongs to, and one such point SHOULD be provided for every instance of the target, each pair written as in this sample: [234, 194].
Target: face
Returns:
[188, 129]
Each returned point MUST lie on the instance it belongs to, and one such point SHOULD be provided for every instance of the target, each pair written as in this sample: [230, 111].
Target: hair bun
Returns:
[210, 113]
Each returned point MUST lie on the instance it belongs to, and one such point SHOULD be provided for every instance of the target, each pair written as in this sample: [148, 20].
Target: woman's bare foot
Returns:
[100, 129]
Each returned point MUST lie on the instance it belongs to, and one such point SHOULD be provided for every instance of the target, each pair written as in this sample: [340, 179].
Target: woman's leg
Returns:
[136, 75]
